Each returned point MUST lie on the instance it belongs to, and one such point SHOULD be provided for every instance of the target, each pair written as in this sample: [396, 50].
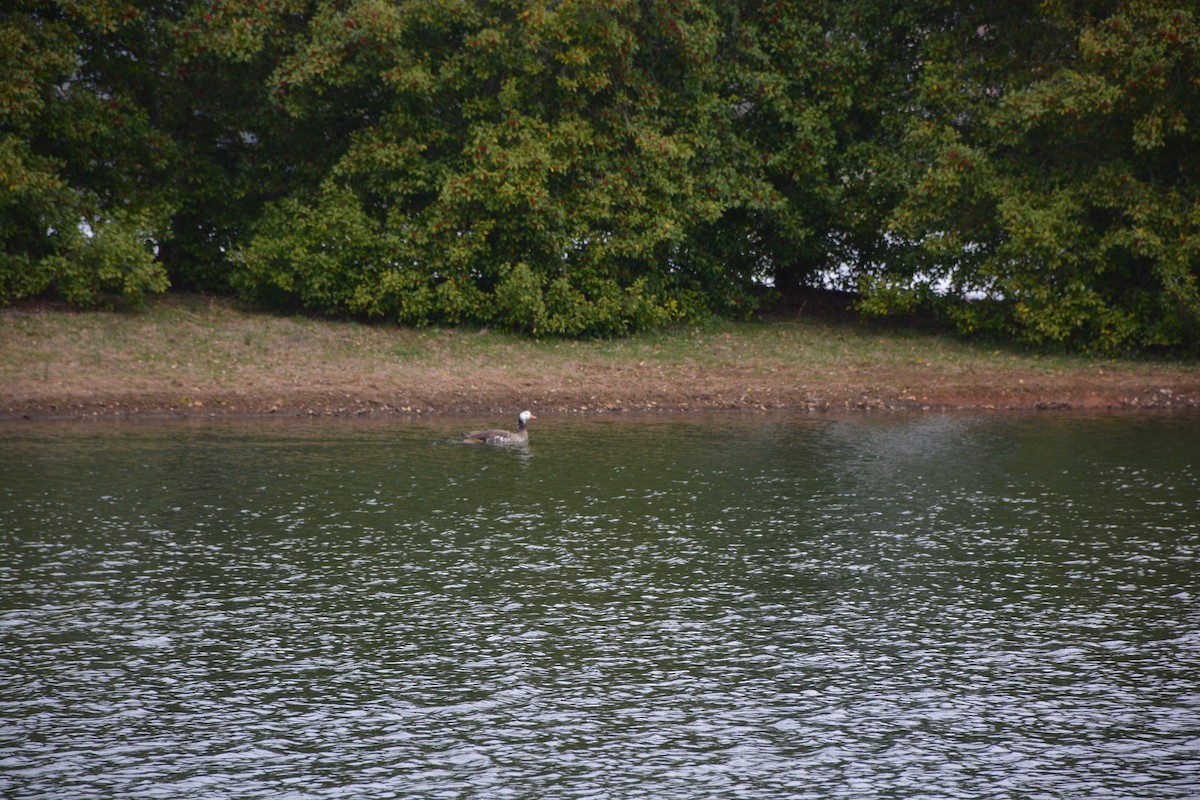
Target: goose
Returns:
[497, 436]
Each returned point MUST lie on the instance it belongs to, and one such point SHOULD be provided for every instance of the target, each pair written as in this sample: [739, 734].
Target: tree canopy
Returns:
[593, 167]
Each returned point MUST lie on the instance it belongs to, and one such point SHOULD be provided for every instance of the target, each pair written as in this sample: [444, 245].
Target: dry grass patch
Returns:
[183, 353]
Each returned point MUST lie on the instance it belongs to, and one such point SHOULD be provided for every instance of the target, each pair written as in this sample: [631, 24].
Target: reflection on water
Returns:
[901, 606]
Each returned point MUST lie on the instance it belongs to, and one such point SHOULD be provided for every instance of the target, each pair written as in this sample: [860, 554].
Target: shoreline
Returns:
[191, 356]
[597, 399]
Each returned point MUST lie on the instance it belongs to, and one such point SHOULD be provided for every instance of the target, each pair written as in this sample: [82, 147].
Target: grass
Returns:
[194, 344]
[215, 339]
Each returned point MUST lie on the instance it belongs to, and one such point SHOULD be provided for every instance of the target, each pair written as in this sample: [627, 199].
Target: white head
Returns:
[525, 416]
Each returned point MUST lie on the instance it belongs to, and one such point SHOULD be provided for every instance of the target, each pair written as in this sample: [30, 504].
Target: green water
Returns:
[932, 606]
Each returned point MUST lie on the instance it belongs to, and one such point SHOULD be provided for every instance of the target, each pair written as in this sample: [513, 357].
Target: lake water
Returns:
[926, 606]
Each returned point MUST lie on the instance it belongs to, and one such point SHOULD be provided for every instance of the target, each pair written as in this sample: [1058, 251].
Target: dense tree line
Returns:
[583, 167]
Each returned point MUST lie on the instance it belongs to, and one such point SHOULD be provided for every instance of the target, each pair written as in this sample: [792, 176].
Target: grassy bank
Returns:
[196, 355]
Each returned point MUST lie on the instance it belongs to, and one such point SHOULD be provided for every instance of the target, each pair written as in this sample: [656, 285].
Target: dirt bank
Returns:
[592, 390]
[198, 357]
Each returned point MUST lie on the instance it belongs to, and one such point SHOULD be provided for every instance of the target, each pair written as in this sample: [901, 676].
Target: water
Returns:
[759, 607]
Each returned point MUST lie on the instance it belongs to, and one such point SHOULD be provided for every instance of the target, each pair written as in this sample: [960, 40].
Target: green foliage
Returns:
[1060, 174]
[596, 167]
[551, 150]
[519, 303]
[67, 226]
[113, 262]
[153, 112]
[77, 218]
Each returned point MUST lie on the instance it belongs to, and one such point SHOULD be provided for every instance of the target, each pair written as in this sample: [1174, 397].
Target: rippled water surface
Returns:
[759, 607]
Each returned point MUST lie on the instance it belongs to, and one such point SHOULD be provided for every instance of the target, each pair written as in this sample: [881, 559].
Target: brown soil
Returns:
[294, 381]
[597, 390]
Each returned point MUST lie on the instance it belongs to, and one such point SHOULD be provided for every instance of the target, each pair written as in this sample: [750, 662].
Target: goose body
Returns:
[501, 437]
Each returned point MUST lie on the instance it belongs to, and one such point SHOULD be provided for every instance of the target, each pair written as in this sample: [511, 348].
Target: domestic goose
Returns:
[497, 436]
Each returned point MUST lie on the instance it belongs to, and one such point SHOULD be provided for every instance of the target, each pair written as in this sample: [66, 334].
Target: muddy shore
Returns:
[617, 391]
[196, 357]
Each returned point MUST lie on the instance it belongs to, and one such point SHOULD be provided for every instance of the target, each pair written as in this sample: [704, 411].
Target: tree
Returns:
[72, 218]
[818, 87]
[139, 140]
[1055, 175]
[590, 167]
[539, 165]
[207, 86]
